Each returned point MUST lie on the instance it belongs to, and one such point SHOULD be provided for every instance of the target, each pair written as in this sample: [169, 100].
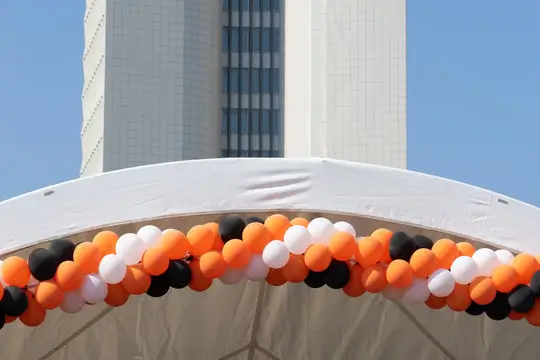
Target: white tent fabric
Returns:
[252, 320]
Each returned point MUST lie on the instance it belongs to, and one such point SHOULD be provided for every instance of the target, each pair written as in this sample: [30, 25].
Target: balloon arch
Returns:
[399, 262]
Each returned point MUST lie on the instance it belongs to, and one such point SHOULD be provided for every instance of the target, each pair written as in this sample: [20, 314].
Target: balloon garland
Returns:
[413, 269]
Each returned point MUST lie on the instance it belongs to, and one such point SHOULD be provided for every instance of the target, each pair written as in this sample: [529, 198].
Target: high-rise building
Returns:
[190, 79]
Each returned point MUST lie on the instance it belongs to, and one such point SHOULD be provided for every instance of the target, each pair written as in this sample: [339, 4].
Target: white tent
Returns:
[253, 320]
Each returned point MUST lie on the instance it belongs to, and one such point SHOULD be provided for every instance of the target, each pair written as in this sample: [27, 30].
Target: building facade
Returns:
[191, 79]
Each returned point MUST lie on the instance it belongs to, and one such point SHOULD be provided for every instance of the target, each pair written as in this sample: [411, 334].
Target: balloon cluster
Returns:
[414, 269]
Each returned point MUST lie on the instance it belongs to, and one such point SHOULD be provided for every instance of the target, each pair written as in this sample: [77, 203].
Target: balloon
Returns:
[275, 277]
[150, 235]
[535, 283]
[87, 255]
[136, 281]
[321, 230]
[106, 242]
[354, 287]
[338, 274]
[212, 264]
[34, 315]
[505, 278]
[130, 248]
[423, 262]
[69, 276]
[343, 245]
[236, 253]
[300, 221]
[155, 261]
[116, 295]
[441, 283]
[42, 264]
[174, 243]
[93, 289]
[369, 251]
[200, 239]
[435, 302]
[277, 224]
[504, 256]
[232, 276]
[198, 282]
[297, 239]
[296, 270]
[344, 226]
[486, 260]
[256, 236]
[14, 302]
[73, 302]
[256, 270]
[465, 249]
[373, 278]
[399, 274]
[63, 249]
[112, 269]
[418, 292]
[49, 295]
[446, 252]
[15, 271]
[393, 293]
[521, 299]
[464, 270]
[231, 227]
[498, 309]
[317, 257]
[526, 265]
[482, 290]
[254, 219]
[422, 242]
[401, 246]
[217, 245]
[275, 254]
[315, 280]
[159, 286]
[384, 236]
[178, 274]
[2, 282]
[475, 309]
[459, 299]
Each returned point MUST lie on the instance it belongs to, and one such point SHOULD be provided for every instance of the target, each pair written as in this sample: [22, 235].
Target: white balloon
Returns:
[486, 260]
[418, 292]
[297, 239]
[256, 270]
[130, 248]
[321, 230]
[275, 254]
[464, 270]
[232, 276]
[393, 293]
[73, 302]
[93, 289]
[112, 269]
[441, 283]
[344, 226]
[150, 235]
[505, 256]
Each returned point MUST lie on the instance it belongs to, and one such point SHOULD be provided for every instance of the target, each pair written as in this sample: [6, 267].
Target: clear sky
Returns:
[473, 93]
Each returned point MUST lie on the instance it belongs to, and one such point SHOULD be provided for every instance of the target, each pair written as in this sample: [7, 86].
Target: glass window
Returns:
[224, 79]
[233, 80]
[265, 153]
[244, 153]
[244, 40]
[233, 121]
[255, 80]
[235, 5]
[245, 5]
[256, 5]
[265, 121]
[275, 81]
[255, 39]
[265, 39]
[275, 122]
[224, 153]
[235, 41]
[233, 153]
[276, 39]
[276, 4]
[265, 5]
[265, 80]
[244, 75]
[255, 121]
[225, 39]
[225, 6]
[224, 122]
[244, 124]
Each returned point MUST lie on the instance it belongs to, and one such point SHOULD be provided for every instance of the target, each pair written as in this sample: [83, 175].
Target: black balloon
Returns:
[63, 249]
[254, 219]
[521, 299]
[42, 264]
[499, 308]
[535, 283]
[14, 302]
[401, 246]
[474, 309]
[231, 227]
[422, 242]
[315, 280]
[337, 275]
[2, 320]
[178, 274]
[159, 286]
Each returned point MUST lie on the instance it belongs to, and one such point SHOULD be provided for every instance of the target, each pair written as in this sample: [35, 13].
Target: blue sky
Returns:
[473, 93]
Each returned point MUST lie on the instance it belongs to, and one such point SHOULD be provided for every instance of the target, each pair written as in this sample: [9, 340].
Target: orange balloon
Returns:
[373, 278]
[256, 236]
[482, 290]
[10, 319]
[198, 282]
[213, 265]
[106, 242]
[155, 261]
[49, 295]
[277, 224]
[459, 300]
[354, 287]
[383, 236]
[69, 276]
[399, 274]
[465, 249]
[136, 281]
[275, 277]
[525, 265]
[516, 316]
[87, 255]
[295, 271]
[300, 221]
[34, 314]
[435, 302]
[504, 278]
[1, 292]
[446, 252]
[236, 253]
[423, 262]
[342, 246]
[200, 239]
[15, 271]
[533, 316]
[317, 257]
[370, 251]
[116, 295]
[214, 228]
[174, 243]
